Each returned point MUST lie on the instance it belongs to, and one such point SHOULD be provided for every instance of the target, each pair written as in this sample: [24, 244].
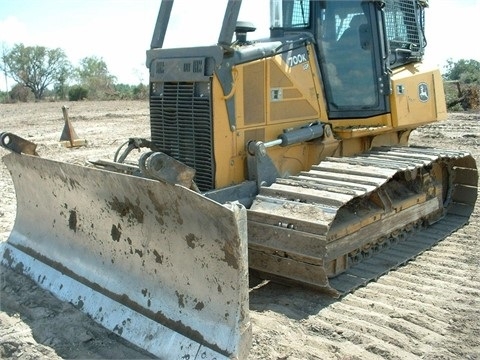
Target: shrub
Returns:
[77, 92]
[21, 93]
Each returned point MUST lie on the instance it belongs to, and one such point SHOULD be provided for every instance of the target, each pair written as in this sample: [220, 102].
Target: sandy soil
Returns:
[428, 309]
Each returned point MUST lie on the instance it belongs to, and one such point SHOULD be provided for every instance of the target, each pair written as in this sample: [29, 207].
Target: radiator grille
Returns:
[181, 126]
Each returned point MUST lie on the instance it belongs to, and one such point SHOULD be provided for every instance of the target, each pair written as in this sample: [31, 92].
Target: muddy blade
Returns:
[349, 220]
[158, 264]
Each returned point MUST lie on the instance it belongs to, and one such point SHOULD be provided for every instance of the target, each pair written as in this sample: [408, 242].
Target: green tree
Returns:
[93, 75]
[462, 80]
[465, 71]
[61, 87]
[140, 92]
[36, 67]
[77, 92]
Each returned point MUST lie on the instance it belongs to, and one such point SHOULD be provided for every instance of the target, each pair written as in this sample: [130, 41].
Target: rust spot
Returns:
[127, 209]
[116, 233]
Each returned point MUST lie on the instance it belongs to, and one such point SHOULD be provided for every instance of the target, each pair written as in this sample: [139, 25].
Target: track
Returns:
[396, 255]
[352, 219]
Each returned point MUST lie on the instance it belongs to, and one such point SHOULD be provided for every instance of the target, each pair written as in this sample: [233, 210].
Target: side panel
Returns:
[417, 96]
[271, 95]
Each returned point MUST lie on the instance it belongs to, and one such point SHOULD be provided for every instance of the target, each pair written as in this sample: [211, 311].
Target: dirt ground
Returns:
[428, 309]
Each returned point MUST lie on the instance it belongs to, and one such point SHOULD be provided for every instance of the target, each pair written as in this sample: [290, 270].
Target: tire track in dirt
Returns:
[410, 313]
[407, 313]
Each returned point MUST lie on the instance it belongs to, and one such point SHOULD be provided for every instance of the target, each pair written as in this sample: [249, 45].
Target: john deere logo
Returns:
[423, 92]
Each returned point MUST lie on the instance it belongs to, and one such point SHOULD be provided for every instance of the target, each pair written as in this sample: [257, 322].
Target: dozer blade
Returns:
[349, 220]
[158, 264]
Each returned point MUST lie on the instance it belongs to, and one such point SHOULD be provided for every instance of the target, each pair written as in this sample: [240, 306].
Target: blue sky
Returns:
[120, 31]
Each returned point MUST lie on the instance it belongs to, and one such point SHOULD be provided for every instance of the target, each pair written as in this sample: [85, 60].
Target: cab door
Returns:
[352, 58]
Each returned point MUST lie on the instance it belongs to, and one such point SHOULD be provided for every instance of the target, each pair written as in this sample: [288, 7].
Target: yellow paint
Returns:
[280, 97]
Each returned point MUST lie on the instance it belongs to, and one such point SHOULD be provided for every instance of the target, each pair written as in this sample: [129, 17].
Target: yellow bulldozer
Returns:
[285, 156]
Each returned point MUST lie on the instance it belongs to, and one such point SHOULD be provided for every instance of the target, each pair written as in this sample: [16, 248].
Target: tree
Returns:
[463, 84]
[36, 67]
[466, 71]
[21, 93]
[93, 75]
[135, 92]
[77, 92]
[3, 69]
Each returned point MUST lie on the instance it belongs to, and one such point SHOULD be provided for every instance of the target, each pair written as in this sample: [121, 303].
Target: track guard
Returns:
[158, 264]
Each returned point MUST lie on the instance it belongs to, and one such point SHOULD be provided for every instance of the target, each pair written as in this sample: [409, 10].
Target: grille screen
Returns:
[181, 126]
[404, 30]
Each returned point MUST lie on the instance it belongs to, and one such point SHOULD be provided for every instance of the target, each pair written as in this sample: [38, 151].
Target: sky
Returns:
[120, 31]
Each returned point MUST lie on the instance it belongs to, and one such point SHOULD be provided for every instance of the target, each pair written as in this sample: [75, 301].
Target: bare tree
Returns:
[3, 67]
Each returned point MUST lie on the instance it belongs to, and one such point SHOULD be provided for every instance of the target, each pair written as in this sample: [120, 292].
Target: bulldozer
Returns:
[285, 157]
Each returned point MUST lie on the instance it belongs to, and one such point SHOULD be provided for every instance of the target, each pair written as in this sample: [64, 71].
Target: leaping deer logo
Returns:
[423, 92]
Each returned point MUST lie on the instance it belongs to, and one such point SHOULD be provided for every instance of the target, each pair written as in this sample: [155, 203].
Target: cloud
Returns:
[12, 31]
[120, 31]
[451, 30]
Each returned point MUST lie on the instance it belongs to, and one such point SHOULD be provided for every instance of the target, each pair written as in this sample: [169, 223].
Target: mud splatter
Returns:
[72, 220]
[79, 305]
[181, 299]
[230, 256]
[158, 257]
[191, 240]
[116, 233]
[131, 211]
[161, 211]
[7, 255]
[118, 329]
[73, 184]
[165, 211]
